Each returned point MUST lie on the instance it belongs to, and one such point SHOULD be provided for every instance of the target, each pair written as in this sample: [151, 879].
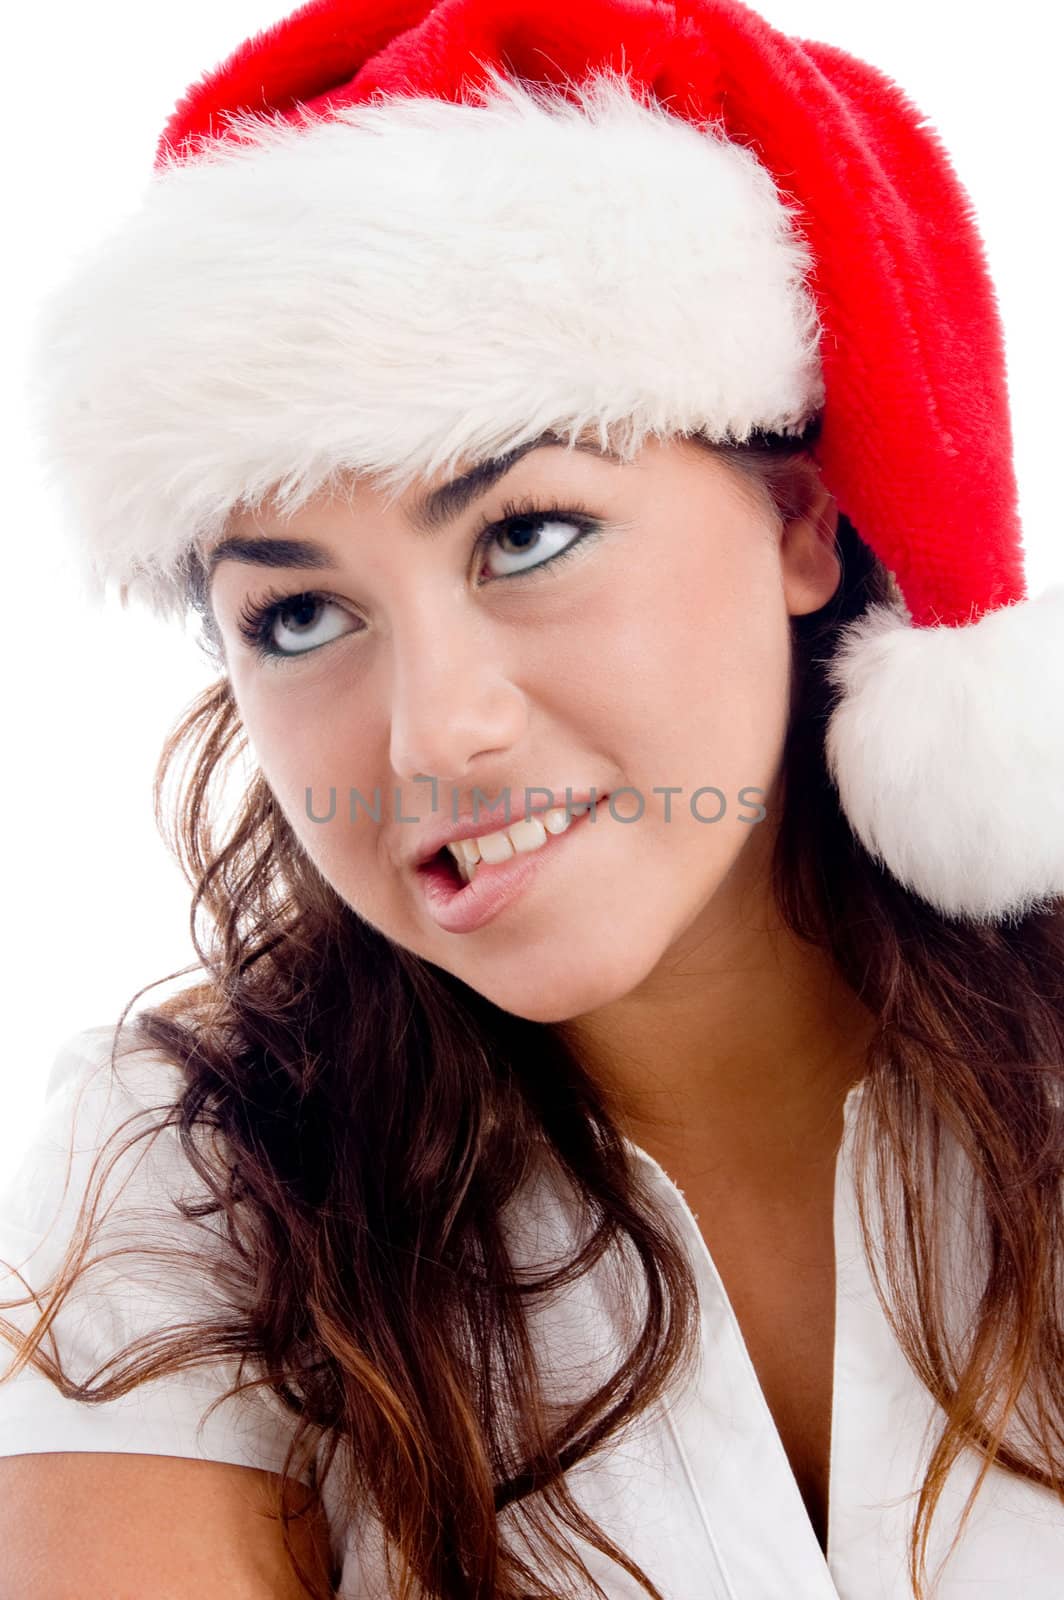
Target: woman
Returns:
[586, 432]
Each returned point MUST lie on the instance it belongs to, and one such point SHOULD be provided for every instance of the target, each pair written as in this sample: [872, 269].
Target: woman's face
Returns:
[654, 656]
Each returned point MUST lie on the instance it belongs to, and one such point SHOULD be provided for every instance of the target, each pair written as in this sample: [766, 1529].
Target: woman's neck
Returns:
[735, 1055]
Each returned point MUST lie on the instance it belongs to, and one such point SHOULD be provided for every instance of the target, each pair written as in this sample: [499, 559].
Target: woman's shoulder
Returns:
[158, 1268]
[101, 1082]
[112, 1055]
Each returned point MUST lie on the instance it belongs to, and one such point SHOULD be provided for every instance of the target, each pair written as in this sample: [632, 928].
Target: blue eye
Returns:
[522, 523]
[256, 623]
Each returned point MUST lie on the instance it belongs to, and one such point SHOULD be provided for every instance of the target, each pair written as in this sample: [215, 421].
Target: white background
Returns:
[96, 907]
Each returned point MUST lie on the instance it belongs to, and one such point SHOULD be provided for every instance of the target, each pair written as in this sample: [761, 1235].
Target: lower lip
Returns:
[465, 908]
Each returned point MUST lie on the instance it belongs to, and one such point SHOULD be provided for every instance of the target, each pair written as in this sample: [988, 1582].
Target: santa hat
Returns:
[381, 237]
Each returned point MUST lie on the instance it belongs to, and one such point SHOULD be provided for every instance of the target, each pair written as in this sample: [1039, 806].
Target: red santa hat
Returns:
[384, 236]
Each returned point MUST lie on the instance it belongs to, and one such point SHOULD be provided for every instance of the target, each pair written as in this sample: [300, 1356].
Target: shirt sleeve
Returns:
[136, 1294]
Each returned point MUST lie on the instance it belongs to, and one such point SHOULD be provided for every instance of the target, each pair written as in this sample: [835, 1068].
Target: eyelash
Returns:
[256, 619]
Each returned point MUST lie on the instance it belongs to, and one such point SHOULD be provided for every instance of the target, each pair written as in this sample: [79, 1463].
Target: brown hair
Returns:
[369, 1259]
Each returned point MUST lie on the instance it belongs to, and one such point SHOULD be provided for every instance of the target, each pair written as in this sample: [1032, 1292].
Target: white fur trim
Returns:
[407, 283]
[947, 749]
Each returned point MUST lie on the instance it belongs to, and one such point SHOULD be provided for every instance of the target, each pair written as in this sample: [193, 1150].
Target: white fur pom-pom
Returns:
[947, 749]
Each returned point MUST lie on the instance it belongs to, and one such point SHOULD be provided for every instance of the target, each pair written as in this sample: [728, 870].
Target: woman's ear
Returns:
[811, 569]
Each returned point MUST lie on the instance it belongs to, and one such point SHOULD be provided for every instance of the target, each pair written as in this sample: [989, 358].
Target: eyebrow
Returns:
[435, 511]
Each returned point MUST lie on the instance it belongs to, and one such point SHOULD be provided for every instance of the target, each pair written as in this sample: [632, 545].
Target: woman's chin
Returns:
[573, 984]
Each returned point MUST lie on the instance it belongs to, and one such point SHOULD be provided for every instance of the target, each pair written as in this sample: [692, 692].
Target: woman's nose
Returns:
[451, 702]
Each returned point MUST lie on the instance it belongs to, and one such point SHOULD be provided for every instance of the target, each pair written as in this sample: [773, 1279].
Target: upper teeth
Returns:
[530, 833]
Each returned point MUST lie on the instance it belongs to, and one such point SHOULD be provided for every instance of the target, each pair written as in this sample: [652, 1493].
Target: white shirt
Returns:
[699, 1491]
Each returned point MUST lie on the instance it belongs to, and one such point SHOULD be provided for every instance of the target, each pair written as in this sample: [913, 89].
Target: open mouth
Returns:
[443, 874]
[443, 869]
